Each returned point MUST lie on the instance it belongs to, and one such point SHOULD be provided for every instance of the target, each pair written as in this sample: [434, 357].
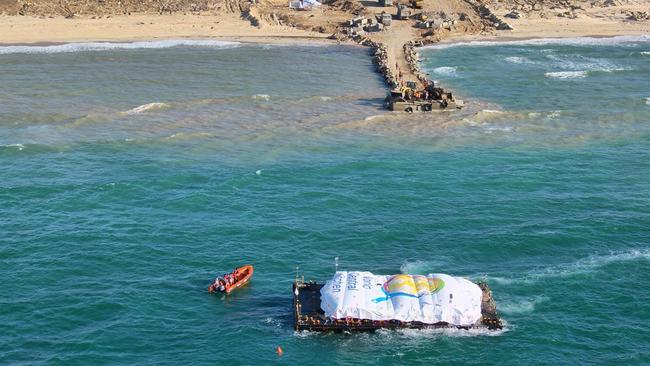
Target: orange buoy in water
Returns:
[279, 351]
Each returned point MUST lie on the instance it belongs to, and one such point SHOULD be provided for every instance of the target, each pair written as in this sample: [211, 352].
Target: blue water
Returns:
[130, 177]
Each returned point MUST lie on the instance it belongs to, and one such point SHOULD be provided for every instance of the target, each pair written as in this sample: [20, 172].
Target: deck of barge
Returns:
[308, 314]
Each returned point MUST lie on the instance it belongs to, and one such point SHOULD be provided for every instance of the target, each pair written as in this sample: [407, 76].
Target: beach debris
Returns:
[384, 18]
[638, 16]
[570, 14]
[403, 12]
[358, 21]
[303, 4]
[354, 7]
[513, 15]
[488, 16]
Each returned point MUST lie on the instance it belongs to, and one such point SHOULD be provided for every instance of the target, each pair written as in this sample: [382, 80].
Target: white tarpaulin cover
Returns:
[304, 4]
[429, 299]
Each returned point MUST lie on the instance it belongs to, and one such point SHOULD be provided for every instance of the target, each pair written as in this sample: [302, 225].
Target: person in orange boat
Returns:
[219, 284]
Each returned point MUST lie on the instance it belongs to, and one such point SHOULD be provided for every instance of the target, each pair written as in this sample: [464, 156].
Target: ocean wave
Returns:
[491, 128]
[19, 147]
[587, 64]
[521, 306]
[645, 53]
[265, 97]
[108, 46]
[188, 135]
[147, 108]
[566, 74]
[518, 60]
[554, 114]
[446, 71]
[577, 41]
[647, 101]
[582, 266]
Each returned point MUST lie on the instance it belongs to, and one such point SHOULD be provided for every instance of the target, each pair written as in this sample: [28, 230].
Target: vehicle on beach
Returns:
[409, 99]
[361, 301]
[231, 281]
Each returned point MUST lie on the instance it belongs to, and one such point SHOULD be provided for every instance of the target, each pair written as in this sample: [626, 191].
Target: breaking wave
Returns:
[108, 46]
[446, 71]
[647, 101]
[147, 108]
[646, 53]
[518, 60]
[586, 64]
[265, 97]
[19, 147]
[578, 41]
[566, 74]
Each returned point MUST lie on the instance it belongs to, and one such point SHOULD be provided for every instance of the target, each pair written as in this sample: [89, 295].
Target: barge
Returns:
[309, 313]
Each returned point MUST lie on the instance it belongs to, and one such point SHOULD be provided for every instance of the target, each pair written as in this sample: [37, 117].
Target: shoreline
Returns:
[34, 31]
[307, 41]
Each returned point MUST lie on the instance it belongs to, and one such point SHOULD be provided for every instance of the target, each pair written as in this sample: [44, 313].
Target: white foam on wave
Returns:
[272, 322]
[20, 147]
[646, 53]
[489, 129]
[446, 71]
[523, 306]
[108, 46]
[422, 267]
[265, 97]
[586, 64]
[582, 266]
[305, 334]
[554, 114]
[566, 74]
[518, 60]
[647, 101]
[147, 108]
[577, 41]
[438, 333]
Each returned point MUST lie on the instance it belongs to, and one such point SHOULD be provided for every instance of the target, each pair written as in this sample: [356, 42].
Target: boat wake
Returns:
[524, 306]
[583, 266]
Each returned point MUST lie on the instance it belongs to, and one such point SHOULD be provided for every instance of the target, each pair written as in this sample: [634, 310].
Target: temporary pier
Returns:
[308, 314]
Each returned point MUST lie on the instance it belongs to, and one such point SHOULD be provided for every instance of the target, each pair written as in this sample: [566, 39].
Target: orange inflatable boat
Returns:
[228, 282]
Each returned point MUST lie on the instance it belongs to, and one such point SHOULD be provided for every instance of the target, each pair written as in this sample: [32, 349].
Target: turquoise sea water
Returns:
[129, 177]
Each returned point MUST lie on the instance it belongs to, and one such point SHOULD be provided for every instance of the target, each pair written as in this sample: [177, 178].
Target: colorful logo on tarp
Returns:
[410, 286]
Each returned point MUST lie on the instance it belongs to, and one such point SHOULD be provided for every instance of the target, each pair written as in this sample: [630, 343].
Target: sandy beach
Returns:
[599, 22]
[139, 27]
